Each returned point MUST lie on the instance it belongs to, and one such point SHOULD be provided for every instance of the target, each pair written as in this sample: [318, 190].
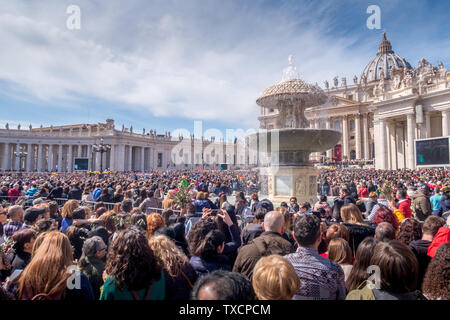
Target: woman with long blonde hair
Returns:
[178, 272]
[48, 276]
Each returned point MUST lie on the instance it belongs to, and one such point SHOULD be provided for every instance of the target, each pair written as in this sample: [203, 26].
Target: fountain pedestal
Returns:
[287, 181]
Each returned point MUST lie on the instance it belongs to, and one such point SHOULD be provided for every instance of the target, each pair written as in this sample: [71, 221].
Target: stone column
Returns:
[120, 164]
[89, 155]
[60, 153]
[382, 145]
[142, 158]
[345, 149]
[39, 158]
[358, 136]
[16, 158]
[428, 124]
[97, 161]
[329, 152]
[411, 127]
[445, 117]
[366, 136]
[70, 158]
[50, 158]
[393, 146]
[80, 147]
[112, 158]
[7, 156]
[29, 156]
[130, 158]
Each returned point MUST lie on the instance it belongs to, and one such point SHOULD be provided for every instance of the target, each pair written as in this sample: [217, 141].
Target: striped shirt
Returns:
[320, 278]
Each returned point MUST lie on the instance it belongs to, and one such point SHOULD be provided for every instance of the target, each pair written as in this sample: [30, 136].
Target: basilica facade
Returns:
[380, 115]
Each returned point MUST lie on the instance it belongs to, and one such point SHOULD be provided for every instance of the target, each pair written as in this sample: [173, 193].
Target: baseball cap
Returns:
[31, 214]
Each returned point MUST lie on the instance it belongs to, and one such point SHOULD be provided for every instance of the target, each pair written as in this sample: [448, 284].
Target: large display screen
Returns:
[81, 164]
[432, 152]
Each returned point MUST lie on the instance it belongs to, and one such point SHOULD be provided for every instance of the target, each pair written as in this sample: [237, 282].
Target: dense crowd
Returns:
[372, 235]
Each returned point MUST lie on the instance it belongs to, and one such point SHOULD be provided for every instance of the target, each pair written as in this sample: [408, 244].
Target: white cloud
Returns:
[195, 60]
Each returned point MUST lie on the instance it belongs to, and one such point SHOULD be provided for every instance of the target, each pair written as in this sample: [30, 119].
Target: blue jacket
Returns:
[200, 204]
[444, 206]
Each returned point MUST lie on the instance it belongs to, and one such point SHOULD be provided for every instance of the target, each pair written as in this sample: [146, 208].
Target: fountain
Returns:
[289, 140]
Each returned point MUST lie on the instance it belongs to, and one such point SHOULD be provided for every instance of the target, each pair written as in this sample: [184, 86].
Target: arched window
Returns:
[353, 155]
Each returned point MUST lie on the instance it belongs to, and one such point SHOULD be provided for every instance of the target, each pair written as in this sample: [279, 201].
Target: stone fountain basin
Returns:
[295, 139]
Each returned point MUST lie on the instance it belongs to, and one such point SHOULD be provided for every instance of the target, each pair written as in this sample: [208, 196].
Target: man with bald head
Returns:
[268, 243]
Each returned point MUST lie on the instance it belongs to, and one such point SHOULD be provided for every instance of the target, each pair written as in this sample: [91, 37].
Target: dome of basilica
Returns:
[384, 60]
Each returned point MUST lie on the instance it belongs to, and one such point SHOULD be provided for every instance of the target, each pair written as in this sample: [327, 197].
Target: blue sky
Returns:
[163, 64]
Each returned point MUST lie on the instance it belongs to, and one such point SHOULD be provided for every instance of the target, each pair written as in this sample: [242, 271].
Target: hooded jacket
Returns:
[266, 244]
[421, 206]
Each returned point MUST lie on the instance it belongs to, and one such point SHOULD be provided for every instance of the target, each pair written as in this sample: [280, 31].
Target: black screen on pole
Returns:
[81, 164]
[432, 152]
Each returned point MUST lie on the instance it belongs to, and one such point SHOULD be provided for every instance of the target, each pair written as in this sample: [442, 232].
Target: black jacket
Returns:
[75, 194]
[357, 234]
[20, 261]
[420, 249]
[251, 232]
[55, 193]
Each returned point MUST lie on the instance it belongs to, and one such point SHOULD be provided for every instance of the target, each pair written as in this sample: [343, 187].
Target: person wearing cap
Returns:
[31, 215]
[421, 203]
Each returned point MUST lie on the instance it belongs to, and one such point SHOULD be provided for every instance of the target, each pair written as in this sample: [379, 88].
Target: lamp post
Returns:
[102, 148]
[20, 153]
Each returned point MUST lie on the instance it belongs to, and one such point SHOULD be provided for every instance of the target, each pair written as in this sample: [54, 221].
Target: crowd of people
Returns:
[372, 235]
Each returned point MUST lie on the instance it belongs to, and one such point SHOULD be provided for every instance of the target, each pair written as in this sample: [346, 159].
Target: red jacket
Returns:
[13, 194]
[441, 237]
[405, 208]
[363, 193]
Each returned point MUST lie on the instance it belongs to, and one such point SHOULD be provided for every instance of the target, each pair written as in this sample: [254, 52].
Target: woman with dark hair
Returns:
[132, 271]
[397, 276]
[240, 203]
[208, 256]
[410, 230]
[358, 275]
[24, 240]
[436, 283]
[254, 202]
